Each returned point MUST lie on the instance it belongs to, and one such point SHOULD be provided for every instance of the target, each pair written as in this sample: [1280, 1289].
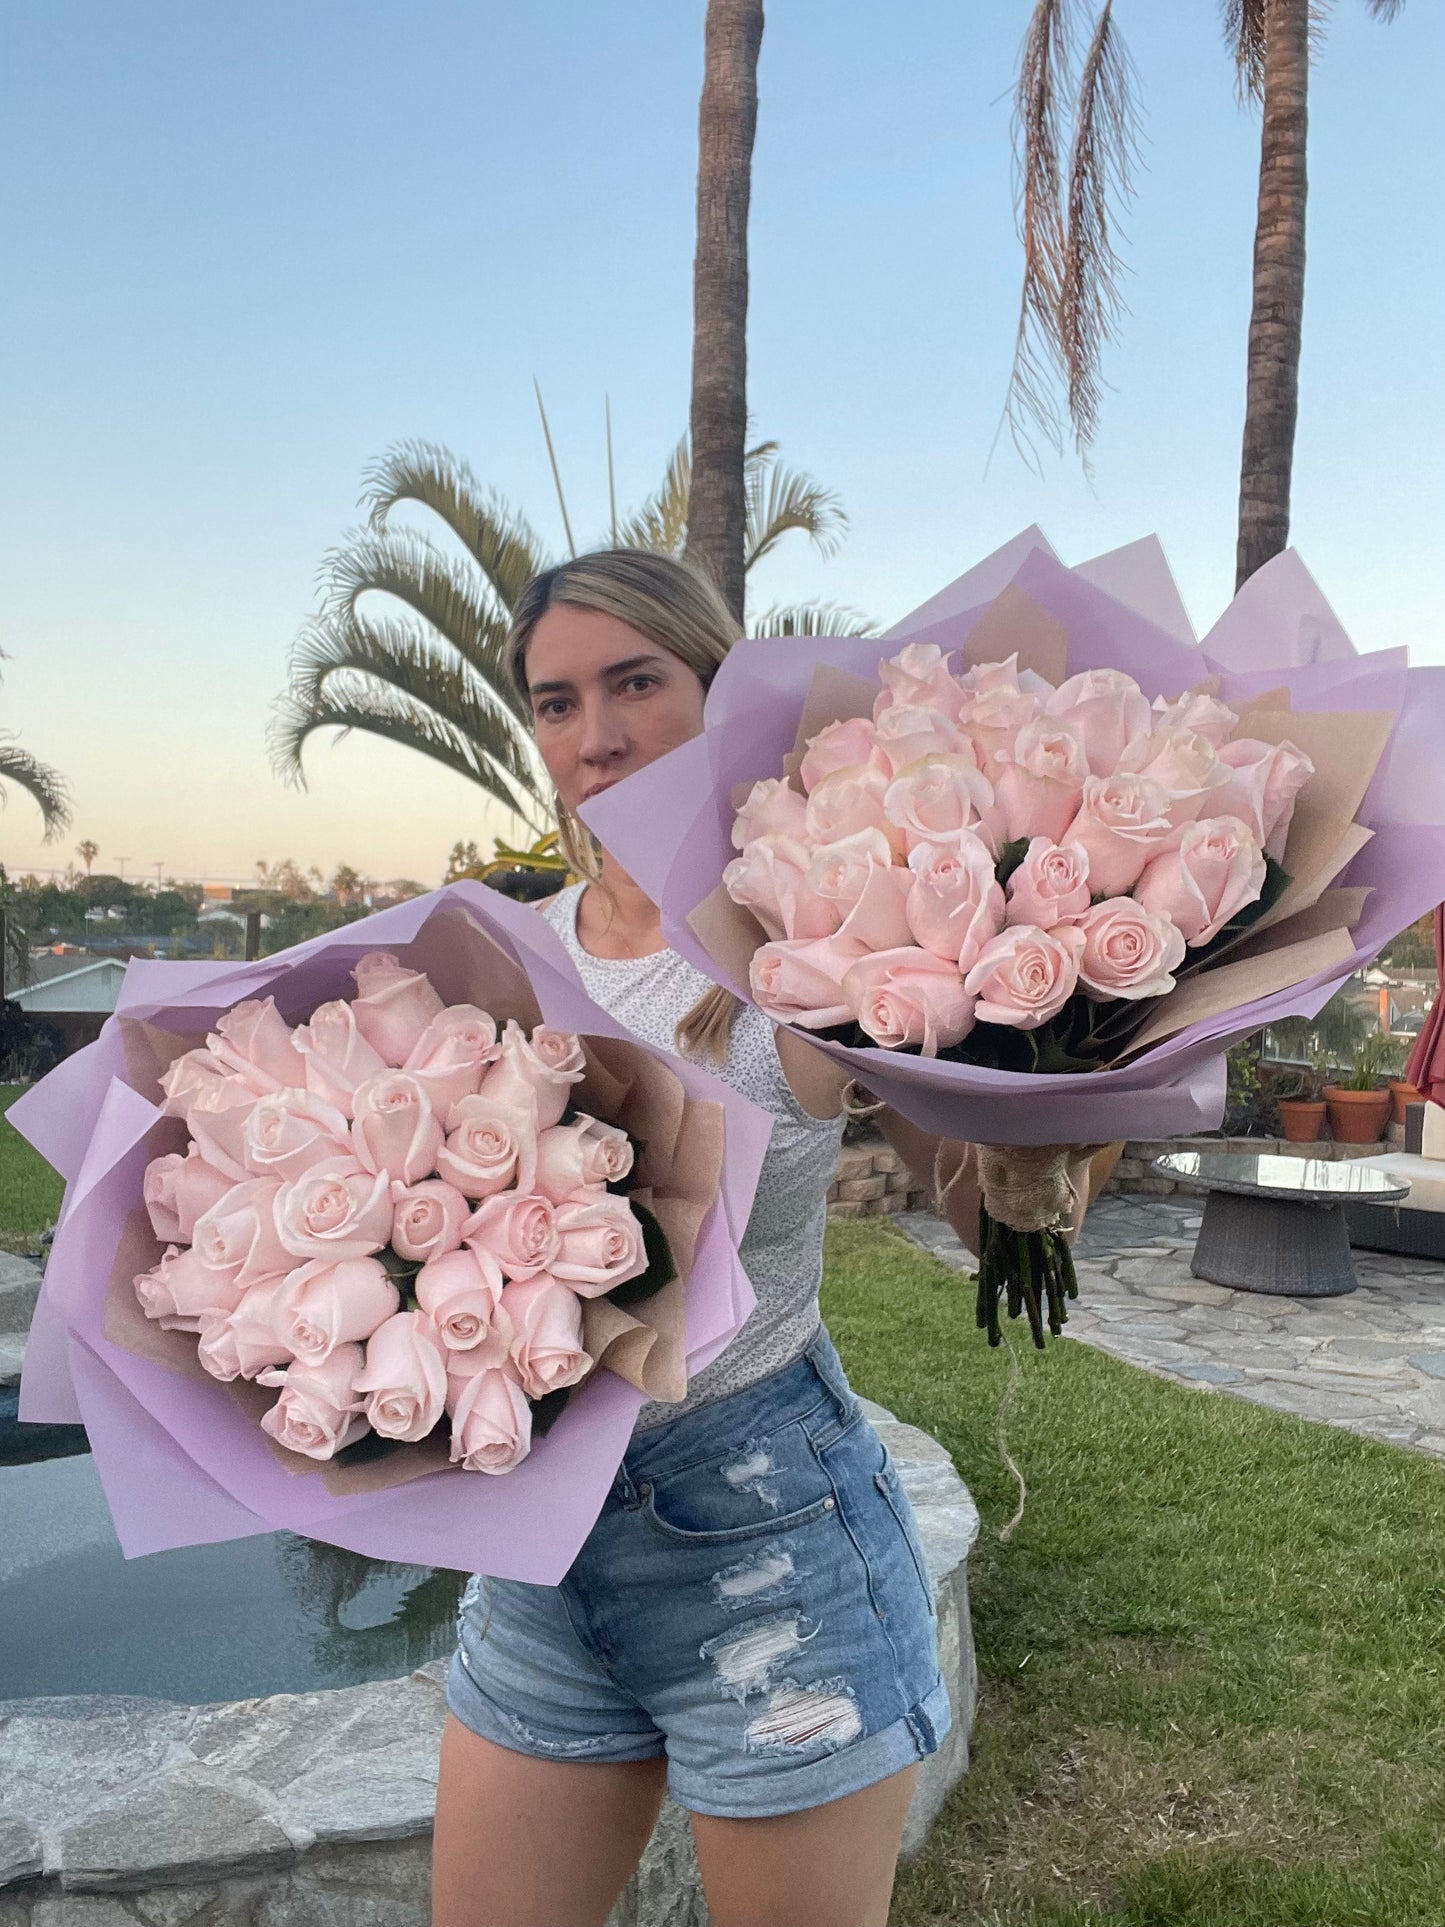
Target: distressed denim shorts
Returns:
[753, 1603]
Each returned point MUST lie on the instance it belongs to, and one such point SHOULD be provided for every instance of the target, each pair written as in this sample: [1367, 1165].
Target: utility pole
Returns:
[253, 935]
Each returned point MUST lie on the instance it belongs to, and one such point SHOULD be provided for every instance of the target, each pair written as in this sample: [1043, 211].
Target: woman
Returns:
[750, 1620]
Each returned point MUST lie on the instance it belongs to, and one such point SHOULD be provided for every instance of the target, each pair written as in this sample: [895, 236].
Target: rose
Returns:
[767, 879]
[905, 733]
[404, 1380]
[1128, 951]
[239, 1233]
[393, 1006]
[254, 1040]
[182, 1289]
[954, 902]
[600, 1245]
[909, 996]
[836, 878]
[849, 744]
[449, 1057]
[846, 801]
[545, 1068]
[427, 1218]
[1122, 822]
[1025, 976]
[937, 797]
[489, 1145]
[999, 702]
[393, 1129]
[317, 1412]
[1107, 710]
[491, 1421]
[1185, 765]
[1196, 709]
[243, 1342]
[322, 1305]
[342, 1212]
[460, 1292]
[919, 677]
[1265, 779]
[291, 1132]
[1217, 870]
[582, 1156]
[802, 982]
[216, 1118]
[546, 1347]
[177, 1190]
[1050, 885]
[1040, 781]
[194, 1071]
[772, 807]
[519, 1231]
[338, 1057]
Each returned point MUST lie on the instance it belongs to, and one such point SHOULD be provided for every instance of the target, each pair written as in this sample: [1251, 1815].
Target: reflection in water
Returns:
[369, 1618]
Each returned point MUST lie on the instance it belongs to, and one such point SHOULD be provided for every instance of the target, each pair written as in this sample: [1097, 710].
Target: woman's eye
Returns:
[638, 683]
[552, 710]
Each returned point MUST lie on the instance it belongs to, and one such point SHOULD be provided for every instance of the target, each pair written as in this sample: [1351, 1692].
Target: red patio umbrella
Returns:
[1426, 1068]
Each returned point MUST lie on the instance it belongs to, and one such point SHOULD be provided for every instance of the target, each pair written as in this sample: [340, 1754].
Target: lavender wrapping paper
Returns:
[180, 1462]
[670, 824]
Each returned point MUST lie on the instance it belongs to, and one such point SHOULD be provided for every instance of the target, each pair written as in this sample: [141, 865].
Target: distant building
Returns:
[73, 991]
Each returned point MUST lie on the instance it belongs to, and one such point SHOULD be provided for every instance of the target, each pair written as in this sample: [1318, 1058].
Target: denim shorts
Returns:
[753, 1603]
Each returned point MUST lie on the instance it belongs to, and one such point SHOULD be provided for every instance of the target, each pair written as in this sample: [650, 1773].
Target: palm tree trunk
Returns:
[1277, 316]
[727, 120]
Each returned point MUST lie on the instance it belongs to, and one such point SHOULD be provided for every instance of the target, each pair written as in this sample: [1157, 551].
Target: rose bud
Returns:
[344, 1212]
[585, 1156]
[909, 996]
[243, 1342]
[183, 1289]
[451, 1054]
[239, 1233]
[393, 1128]
[427, 1219]
[768, 880]
[1025, 976]
[292, 1132]
[255, 1041]
[954, 902]
[1107, 711]
[318, 1412]
[491, 1422]
[600, 1245]
[1217, 870]
[546, 1345]
[404, 1379]
[1122, 823]
[393, 1006]
[216, 1118]
[177, 1190]
[802, 982]
[323, 1305]
[906, 734]
[338, 1057]
[517, 1229]
[1050, 886]
[460, 1293]
[918, 677]
[491, 1143]
[1040, 781]
[1128, 952]
[545, 1069]
[193, 1071]
[772, 808]
[848, 801]
[938, 796]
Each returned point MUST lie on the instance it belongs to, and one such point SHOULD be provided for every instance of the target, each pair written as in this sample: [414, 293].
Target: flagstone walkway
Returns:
[1372, 1361]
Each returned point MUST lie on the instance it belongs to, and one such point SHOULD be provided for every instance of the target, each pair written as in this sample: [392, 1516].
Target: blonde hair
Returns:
[679, 609]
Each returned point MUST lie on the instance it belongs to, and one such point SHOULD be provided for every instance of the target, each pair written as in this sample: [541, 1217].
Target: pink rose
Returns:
[183, 1289]
[1106, 710]
[847, 801]
[850, 744]
[338, 1057]
[772, 807]
[291, 1132]
[393, 1129]
[1025, 976]
[1039, 783]
[254, 1040]
[998, 703]
[802, 982]
[520, 1232]
[1122, 823]
[393, 1006]
[585, 1156]
[341, 1212]
[216, 1118]
[1217, 870]
[404, 1381]
[905, 734]
[918, 677]
[767, 879]
[243, 1342]
[177, 1190]
[1128, 951]
[954, 904]
[600, 1245]
[449, 1057]
[460, 1293]
[1264, 780]
[1186, 767]
[1050, 886]
[491, 1421]
[937, 797]
[833, 881]
[1196, 710]
[427, 1219]
[545, 1068]
[317, 1412]
[323, 1305]
[909, 996]
[195, 1071]
[546, 1347]
[490, 1145]
[239, 1233]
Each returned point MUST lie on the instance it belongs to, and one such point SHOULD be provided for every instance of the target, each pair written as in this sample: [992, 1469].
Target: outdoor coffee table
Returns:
[1277, 1224]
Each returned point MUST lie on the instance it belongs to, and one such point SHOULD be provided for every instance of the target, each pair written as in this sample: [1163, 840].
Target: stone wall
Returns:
[871, 1181]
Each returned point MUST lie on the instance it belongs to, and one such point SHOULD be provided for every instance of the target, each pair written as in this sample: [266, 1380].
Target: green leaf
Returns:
[1010, 857]
[661, 1270]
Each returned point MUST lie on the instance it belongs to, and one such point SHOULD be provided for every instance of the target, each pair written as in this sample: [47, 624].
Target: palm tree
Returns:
[434, 678]
[47, 787]
[87, 852]
[1072, 191]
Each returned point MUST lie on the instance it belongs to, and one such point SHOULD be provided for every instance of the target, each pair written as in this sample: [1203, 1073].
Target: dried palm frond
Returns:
[1244, 35]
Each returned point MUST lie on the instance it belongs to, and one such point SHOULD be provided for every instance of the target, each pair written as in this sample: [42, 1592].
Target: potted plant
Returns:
[1300, 1101]
[1359, 1104]
[1402, 1092]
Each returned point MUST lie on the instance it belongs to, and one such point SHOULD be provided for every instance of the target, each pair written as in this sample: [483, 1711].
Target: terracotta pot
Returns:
[1356, 1117]
[1301, 1119]
[1402, 1094]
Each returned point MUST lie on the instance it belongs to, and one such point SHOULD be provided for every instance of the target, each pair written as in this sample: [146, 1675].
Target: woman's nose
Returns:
[604, 738]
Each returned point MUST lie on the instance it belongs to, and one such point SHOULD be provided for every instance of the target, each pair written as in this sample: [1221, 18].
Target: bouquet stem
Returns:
[1025, 1214]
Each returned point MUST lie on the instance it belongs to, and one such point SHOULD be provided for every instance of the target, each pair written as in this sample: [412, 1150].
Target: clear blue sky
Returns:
[248, 248]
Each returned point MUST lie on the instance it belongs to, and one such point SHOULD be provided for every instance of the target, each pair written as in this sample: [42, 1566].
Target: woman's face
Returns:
[606, 700]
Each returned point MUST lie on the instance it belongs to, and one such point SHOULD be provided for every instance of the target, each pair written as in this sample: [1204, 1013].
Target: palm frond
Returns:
[782, 499]
[1386, 10]
[503, 543]
[44, 785]
[1104, 146]
[812, 619]
[1244, 36]
[661, 522]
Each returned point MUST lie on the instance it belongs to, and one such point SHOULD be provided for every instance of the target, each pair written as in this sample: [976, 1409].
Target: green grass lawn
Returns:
[29, 1190]
[1211, 1658]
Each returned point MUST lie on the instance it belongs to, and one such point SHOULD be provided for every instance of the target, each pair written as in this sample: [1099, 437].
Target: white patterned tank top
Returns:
[782, 1248]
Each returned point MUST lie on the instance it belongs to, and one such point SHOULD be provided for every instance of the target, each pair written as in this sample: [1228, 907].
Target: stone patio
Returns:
[1372, 1362]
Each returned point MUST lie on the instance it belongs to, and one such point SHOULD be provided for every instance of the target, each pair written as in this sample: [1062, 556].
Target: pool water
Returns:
[272, 1614]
